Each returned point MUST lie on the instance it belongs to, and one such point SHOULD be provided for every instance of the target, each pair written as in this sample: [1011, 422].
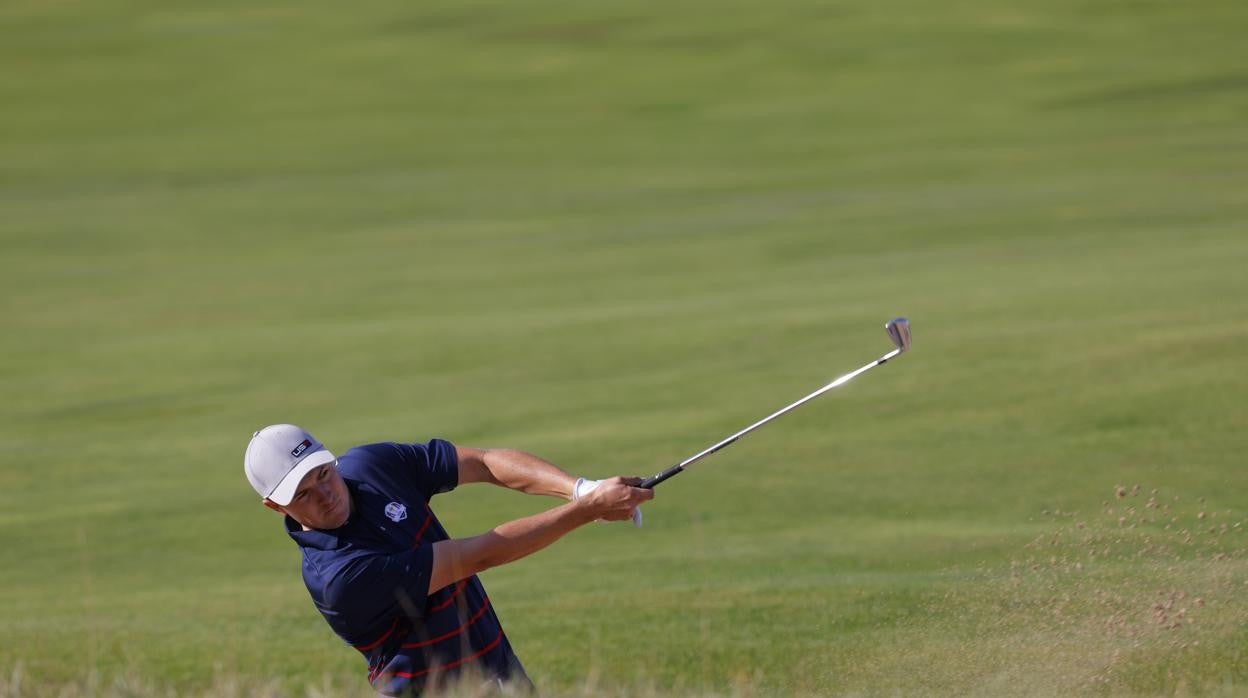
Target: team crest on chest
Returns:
[396, 512]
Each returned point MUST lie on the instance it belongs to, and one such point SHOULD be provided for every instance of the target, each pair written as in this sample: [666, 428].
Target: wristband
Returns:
[584, 487]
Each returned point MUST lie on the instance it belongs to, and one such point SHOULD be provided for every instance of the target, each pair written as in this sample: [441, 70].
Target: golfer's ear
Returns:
[269, 503]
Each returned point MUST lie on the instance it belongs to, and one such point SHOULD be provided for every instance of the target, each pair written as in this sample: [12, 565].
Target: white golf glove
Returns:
[584, 487]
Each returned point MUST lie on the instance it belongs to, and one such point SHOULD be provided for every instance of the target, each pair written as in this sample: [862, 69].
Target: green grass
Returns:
[611, 234]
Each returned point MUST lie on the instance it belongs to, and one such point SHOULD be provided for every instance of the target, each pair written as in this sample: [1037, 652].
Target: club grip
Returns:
[649, 483]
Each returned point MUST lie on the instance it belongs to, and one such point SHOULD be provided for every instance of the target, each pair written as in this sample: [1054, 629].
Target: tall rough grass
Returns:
[232, 686]
[1146, 594]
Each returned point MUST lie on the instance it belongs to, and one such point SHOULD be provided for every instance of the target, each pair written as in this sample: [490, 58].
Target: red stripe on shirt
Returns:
[371, 645]
[423, 526]
[475, 617]
[452, 665]
[451, 598]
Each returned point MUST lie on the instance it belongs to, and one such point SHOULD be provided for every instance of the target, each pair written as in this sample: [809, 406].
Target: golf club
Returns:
[898, 330]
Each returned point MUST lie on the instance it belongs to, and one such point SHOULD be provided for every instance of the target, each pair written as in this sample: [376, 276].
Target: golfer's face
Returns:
[322, 500]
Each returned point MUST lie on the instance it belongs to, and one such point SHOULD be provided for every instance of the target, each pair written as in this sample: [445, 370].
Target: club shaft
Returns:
[680, 467]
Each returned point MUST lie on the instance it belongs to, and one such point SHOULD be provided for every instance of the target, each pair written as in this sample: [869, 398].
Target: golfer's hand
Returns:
[614, 499]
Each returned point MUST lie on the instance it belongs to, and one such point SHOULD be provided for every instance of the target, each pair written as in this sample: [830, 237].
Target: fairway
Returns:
[611, 234]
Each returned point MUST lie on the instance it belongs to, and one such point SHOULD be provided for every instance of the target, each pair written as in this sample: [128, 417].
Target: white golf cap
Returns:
[277, 459]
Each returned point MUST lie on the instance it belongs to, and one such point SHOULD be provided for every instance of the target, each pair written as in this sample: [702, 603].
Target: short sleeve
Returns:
[433, 465]
[370, 588]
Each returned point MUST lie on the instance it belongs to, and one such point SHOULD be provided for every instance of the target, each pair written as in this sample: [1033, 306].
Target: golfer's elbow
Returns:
[493, 551]
[458, 559]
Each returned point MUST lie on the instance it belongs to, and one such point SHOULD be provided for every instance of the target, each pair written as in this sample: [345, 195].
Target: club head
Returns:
[899, 331]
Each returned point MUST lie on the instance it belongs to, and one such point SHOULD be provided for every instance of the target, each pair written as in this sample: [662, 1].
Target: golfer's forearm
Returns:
[527, 473]
[516, 539]
[457, 559]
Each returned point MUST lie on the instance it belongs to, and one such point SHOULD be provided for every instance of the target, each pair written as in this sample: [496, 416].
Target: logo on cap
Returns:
[298, 450]
[396, 512]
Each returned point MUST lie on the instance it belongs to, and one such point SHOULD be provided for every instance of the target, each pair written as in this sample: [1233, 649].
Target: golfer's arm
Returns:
[460, 558]
[515, 470]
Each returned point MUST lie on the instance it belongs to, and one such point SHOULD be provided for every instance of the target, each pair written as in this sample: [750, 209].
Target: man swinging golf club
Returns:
[383, 571]
[385, 574]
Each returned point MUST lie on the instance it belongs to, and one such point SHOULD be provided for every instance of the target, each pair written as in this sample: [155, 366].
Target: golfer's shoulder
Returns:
[395, 454]
[369, 458]
[396, 468]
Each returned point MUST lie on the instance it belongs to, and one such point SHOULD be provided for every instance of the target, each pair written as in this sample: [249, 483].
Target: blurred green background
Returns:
[611, 234]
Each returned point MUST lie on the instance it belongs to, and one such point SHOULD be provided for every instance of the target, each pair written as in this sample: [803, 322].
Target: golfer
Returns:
[384, 573]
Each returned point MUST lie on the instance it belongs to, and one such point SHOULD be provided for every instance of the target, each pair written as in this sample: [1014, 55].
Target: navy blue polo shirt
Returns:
[370, 577]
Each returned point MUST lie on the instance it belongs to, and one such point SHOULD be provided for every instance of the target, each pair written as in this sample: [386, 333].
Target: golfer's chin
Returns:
[335, 520]
[328, 520]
